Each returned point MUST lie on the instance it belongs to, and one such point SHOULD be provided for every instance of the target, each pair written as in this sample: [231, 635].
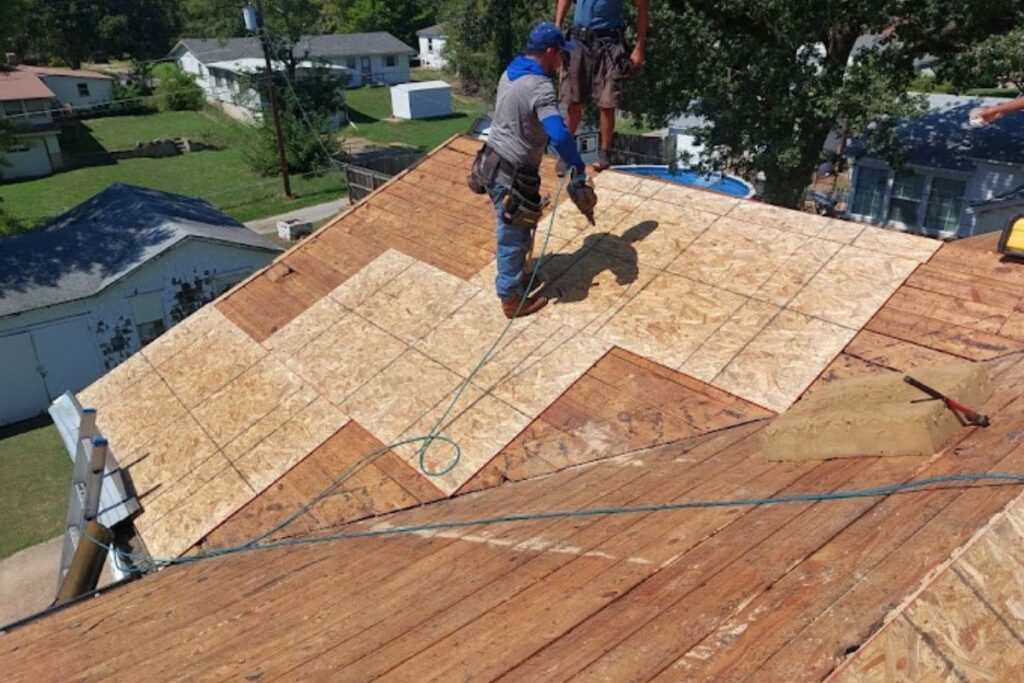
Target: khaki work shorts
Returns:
[596, 70]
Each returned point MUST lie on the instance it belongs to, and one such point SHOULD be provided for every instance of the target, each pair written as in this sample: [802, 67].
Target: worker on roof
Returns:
[596, 71]
[526, 119]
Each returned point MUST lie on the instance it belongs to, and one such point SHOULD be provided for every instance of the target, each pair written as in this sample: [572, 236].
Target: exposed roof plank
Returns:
[954, 339]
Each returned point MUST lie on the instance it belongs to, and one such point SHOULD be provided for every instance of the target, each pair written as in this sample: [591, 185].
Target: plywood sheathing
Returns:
[876, 416]
[965, 624]
[765, 593]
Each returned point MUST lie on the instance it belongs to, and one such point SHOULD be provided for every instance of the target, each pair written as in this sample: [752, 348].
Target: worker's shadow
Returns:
[568, 277]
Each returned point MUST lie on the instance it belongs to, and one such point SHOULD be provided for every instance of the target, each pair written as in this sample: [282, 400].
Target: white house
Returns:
[81, 295]
[28, 106]
[32, 99]
[422, 100]
[231, 86]
[958, 181]
[77, 90]
[367, 57]
[432, 41]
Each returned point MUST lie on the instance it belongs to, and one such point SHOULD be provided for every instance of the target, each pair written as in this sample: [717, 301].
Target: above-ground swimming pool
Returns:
[717, 182]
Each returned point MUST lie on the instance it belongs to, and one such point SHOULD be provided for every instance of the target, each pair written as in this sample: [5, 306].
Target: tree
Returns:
[484, 35]
[992, 62]
[178, 91]
[307, 107]
[776, 76]
[401, 18]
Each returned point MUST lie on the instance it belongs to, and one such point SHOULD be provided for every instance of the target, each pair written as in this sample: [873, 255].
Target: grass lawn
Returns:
[35, 484]
[220, 176]
[369, 109]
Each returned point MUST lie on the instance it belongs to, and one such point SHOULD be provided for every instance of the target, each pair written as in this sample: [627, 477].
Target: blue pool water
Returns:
[726, 184]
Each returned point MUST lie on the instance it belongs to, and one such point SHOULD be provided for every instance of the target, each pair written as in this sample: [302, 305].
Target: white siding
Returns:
[40, 159]
[430, 52]
[102, 327]
[66, 90]
[379, 71]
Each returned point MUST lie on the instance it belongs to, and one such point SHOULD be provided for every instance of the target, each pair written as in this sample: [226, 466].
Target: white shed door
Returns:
[68, 355]
[22, 392]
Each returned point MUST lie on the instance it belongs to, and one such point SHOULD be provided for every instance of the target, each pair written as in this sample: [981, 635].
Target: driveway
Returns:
[314, 214]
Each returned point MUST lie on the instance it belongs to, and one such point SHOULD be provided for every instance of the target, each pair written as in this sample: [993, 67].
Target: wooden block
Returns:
[876, 416]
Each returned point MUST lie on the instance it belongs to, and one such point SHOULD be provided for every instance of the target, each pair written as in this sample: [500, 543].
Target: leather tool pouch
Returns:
[523, 204]
[483, 171]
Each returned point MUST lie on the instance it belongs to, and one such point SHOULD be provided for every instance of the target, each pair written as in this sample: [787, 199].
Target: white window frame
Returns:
[83, 85]
[929, 174]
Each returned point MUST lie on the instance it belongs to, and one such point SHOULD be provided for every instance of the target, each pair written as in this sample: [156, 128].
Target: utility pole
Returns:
[253, 20]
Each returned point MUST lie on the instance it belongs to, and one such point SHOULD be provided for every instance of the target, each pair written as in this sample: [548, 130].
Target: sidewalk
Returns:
[313, 214]
[28, 580]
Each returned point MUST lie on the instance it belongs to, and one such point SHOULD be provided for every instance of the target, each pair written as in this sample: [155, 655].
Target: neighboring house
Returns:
[432, 41]
[231, 87]
[961, 181]
[76, 89]
[32, 98]
[28, 105]
[99, 282]
[368, 57]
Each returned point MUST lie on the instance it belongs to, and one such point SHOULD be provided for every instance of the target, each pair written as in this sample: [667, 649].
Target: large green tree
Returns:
[401, 18]
[484, 35]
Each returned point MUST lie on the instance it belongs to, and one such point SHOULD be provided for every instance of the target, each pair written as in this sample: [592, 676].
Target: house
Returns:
[593, 527]
[958, 181]
[106, 278]
[367, 57]
[231, 87]
[77, 90]
[28, 105]
[432, 42]
[33, 99]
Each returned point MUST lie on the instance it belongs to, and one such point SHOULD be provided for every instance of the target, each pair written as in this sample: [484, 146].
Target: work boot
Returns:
[604, 161]
[511, 307]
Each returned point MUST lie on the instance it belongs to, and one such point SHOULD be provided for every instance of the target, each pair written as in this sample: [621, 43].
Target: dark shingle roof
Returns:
[103, 239]
[312, 47]
[943, 138]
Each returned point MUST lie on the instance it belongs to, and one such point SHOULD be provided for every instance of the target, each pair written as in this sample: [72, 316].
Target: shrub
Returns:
[178, 91]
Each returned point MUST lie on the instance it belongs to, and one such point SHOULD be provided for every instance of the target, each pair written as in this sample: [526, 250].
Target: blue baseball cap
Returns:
[545, 35]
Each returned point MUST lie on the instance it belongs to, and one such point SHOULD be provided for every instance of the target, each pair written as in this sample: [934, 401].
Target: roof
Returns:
[943, 138]
[60, 71]
[251, 65]
[312, 47]
[435, 30]
[21, 84]
[681, 324]
[103, 239]
[422, 85]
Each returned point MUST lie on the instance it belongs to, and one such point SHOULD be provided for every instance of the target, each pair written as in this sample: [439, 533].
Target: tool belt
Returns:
[523, 203]
[589, 36]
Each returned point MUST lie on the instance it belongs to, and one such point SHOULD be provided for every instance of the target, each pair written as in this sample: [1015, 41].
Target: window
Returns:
[390, 60]
[430, 44]
[906, 199]
[35, 105]
[350, 62]
[12, 108]
[945, 203]
[83, 89]
[869, 193]
[148, 311]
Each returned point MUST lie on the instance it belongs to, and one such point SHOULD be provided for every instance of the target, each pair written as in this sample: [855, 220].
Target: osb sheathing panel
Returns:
[967, 624]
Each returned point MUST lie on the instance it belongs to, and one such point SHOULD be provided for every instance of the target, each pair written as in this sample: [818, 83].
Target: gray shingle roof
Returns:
[943, 138]
[312, 47]
[435, 30]
[103, 239]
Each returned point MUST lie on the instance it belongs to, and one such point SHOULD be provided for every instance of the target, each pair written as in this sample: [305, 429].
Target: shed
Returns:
[422, 100]
[85, 292]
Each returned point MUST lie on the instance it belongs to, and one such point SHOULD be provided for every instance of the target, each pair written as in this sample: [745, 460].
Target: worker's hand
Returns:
[580, 177]
[983, 116]
[636, 62]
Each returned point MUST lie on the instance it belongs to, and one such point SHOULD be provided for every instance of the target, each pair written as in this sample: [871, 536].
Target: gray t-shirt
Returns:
[516, 132]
